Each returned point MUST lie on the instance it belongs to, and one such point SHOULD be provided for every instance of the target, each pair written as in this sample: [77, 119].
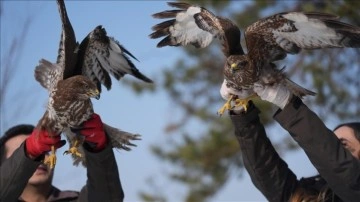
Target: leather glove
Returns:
[40, 142]
[226, 92]
[277, 94]
[93, 131]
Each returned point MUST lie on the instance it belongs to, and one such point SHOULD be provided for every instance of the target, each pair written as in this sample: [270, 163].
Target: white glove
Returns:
[276, 94]
[227, 92]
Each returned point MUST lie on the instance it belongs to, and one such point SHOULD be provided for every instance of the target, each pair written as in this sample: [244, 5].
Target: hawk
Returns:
[78, 74]
[269, 39]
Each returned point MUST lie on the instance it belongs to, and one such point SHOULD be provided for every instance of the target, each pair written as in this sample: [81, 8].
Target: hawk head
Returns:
[240, 71]
[77, 87]
[238, 62]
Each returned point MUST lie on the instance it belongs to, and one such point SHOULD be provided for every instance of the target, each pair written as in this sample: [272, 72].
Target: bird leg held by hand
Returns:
[74, 149]
[226, 106]
[51, 159]
[244, 101]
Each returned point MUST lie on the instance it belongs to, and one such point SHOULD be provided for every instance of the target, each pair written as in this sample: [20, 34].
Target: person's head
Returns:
[349, 135]
[11, 141]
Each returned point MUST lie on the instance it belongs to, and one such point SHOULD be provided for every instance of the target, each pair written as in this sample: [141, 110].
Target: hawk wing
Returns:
[97, 54]
[196, 26]
[100, 56]
[67, 53]
[97, 57]
[273, 37]
[49, 74]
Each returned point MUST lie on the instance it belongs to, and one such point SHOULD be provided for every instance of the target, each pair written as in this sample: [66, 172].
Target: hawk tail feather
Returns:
[120, 139]
[273, 75]
[298, 90]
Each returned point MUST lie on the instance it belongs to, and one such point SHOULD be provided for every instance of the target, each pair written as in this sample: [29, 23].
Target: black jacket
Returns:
[103, 182]
[271, 175]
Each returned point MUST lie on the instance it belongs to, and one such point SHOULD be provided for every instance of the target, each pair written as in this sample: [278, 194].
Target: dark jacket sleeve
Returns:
[15, 173]
[103, 183]
[334, 163]
[269, 173]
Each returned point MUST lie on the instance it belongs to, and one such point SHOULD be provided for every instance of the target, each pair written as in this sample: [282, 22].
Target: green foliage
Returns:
[205, 161]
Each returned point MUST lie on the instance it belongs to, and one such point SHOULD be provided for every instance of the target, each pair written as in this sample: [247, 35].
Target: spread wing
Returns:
[67, 53]
[100, 56]
[97, 57]
[196, 26]
[49, 74]
[273, 37]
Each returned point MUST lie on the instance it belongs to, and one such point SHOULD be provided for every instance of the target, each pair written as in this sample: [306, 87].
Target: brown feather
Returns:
[166, 14]
[67, 55]
[164, 25]
[180, 5]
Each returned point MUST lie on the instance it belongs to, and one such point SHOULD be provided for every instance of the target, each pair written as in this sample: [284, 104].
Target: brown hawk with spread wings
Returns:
[268, 40]
[77, 76]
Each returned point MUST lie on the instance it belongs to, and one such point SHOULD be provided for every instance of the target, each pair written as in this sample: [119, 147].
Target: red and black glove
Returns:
[40, 142]
[93, 131]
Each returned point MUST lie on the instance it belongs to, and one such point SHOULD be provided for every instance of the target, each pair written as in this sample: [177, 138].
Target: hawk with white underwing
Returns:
[269, 39]
[78, 74]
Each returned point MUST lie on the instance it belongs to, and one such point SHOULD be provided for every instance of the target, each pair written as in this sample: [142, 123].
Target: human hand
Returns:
[226, 92]
[277, 94]
[40, 142]
[93, 131]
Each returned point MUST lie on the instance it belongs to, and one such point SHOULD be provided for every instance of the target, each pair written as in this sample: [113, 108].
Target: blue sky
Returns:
[130, 23]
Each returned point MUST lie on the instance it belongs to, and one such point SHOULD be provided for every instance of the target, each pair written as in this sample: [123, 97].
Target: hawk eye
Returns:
[243, 63]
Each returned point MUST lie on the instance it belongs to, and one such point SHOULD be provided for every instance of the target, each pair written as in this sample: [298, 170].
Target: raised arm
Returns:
[103, 183]
[17, 169]
[334, 163]
[269, 173]
[13, 176]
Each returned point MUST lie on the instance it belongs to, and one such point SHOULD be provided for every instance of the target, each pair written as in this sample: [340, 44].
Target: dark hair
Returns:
[311, 189]
[353, 125]
[12, 132]
[315, 188]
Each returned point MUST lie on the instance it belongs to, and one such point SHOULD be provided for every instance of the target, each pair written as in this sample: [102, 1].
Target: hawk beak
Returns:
[233, 67]
[95, 93]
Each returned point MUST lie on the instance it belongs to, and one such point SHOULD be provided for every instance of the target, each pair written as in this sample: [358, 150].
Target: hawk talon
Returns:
[74, 150]
[226, 106]
[244, 102]
[50, 160]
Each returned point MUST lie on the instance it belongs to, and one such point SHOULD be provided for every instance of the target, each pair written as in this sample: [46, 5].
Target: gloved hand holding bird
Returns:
[268, 40]
[75, 78]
